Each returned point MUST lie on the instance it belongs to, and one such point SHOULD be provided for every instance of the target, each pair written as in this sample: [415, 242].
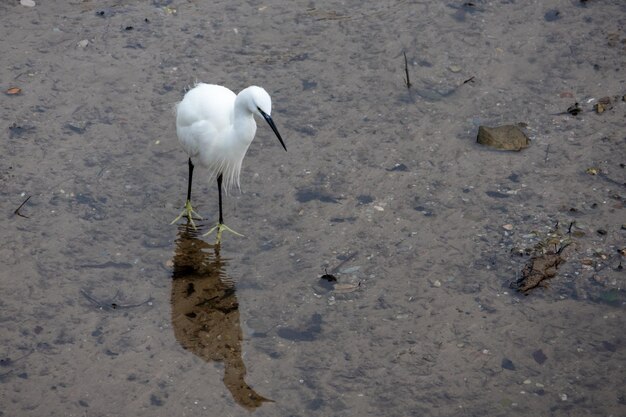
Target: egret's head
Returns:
[260, 102]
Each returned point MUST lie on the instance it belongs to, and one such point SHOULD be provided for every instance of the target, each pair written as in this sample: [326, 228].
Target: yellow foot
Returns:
[220, 227]
[188, 212]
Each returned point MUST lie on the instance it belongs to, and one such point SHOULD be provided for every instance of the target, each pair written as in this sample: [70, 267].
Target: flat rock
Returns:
[506, 137]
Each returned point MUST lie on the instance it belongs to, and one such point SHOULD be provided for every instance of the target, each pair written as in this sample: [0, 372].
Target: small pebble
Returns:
[508, 364]
[508, 227]
[552, 15]
[563, 397]
[379, 208]
[437, 283]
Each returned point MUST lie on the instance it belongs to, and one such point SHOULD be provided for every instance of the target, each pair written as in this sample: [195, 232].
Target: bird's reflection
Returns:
[205, 312]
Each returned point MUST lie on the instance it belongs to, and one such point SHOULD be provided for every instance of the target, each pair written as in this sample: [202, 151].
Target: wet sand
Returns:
[383, 187]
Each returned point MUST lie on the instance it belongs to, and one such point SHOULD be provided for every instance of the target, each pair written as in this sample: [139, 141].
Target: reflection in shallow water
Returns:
[205, 312]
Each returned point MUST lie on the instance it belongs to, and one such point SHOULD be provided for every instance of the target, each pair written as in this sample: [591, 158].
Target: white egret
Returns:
[215, 128]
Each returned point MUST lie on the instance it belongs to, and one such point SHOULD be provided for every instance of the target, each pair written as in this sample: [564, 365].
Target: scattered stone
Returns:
[563, 397]
[364, 199]
[599, 279]
[552, 15]
[539, 356]
[508, 364]
[83, 43]
[437, 283]
[508, 227]
[28, 3]
[77, 127]
[609, 346]
[592, 170]
[506, 137]
[603, 105]
[350, 270]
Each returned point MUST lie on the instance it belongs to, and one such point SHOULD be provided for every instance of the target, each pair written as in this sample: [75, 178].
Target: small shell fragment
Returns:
[346, 288]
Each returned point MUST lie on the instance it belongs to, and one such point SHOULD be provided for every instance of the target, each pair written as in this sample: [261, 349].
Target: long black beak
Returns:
[269, 120]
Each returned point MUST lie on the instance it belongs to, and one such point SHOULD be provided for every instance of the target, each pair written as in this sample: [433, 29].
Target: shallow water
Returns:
[383, 187]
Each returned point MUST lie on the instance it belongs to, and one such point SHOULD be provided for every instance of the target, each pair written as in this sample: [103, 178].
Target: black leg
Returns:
[219, 190]
[189, 182]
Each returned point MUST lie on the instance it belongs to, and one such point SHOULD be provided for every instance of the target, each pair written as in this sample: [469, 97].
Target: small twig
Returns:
[406, 70]
[111, 305]
[545, 159]
[611, 180]
[342, 263]
[17, 210]
[569, 229]
[469, 80]
[558, 252]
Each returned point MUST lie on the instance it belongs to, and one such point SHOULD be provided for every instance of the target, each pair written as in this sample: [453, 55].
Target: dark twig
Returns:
[558, 252]
[17, 210]
[611, 180]
[111, 305]
[406, 71]
[342, 263]
[469, 80]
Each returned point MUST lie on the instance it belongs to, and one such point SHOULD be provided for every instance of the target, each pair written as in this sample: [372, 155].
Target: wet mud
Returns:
[108, 310]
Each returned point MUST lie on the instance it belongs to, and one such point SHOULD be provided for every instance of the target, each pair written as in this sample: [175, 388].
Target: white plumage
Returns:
[215, 128]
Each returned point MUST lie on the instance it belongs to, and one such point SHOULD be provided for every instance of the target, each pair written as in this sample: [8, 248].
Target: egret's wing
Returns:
[206, 110]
